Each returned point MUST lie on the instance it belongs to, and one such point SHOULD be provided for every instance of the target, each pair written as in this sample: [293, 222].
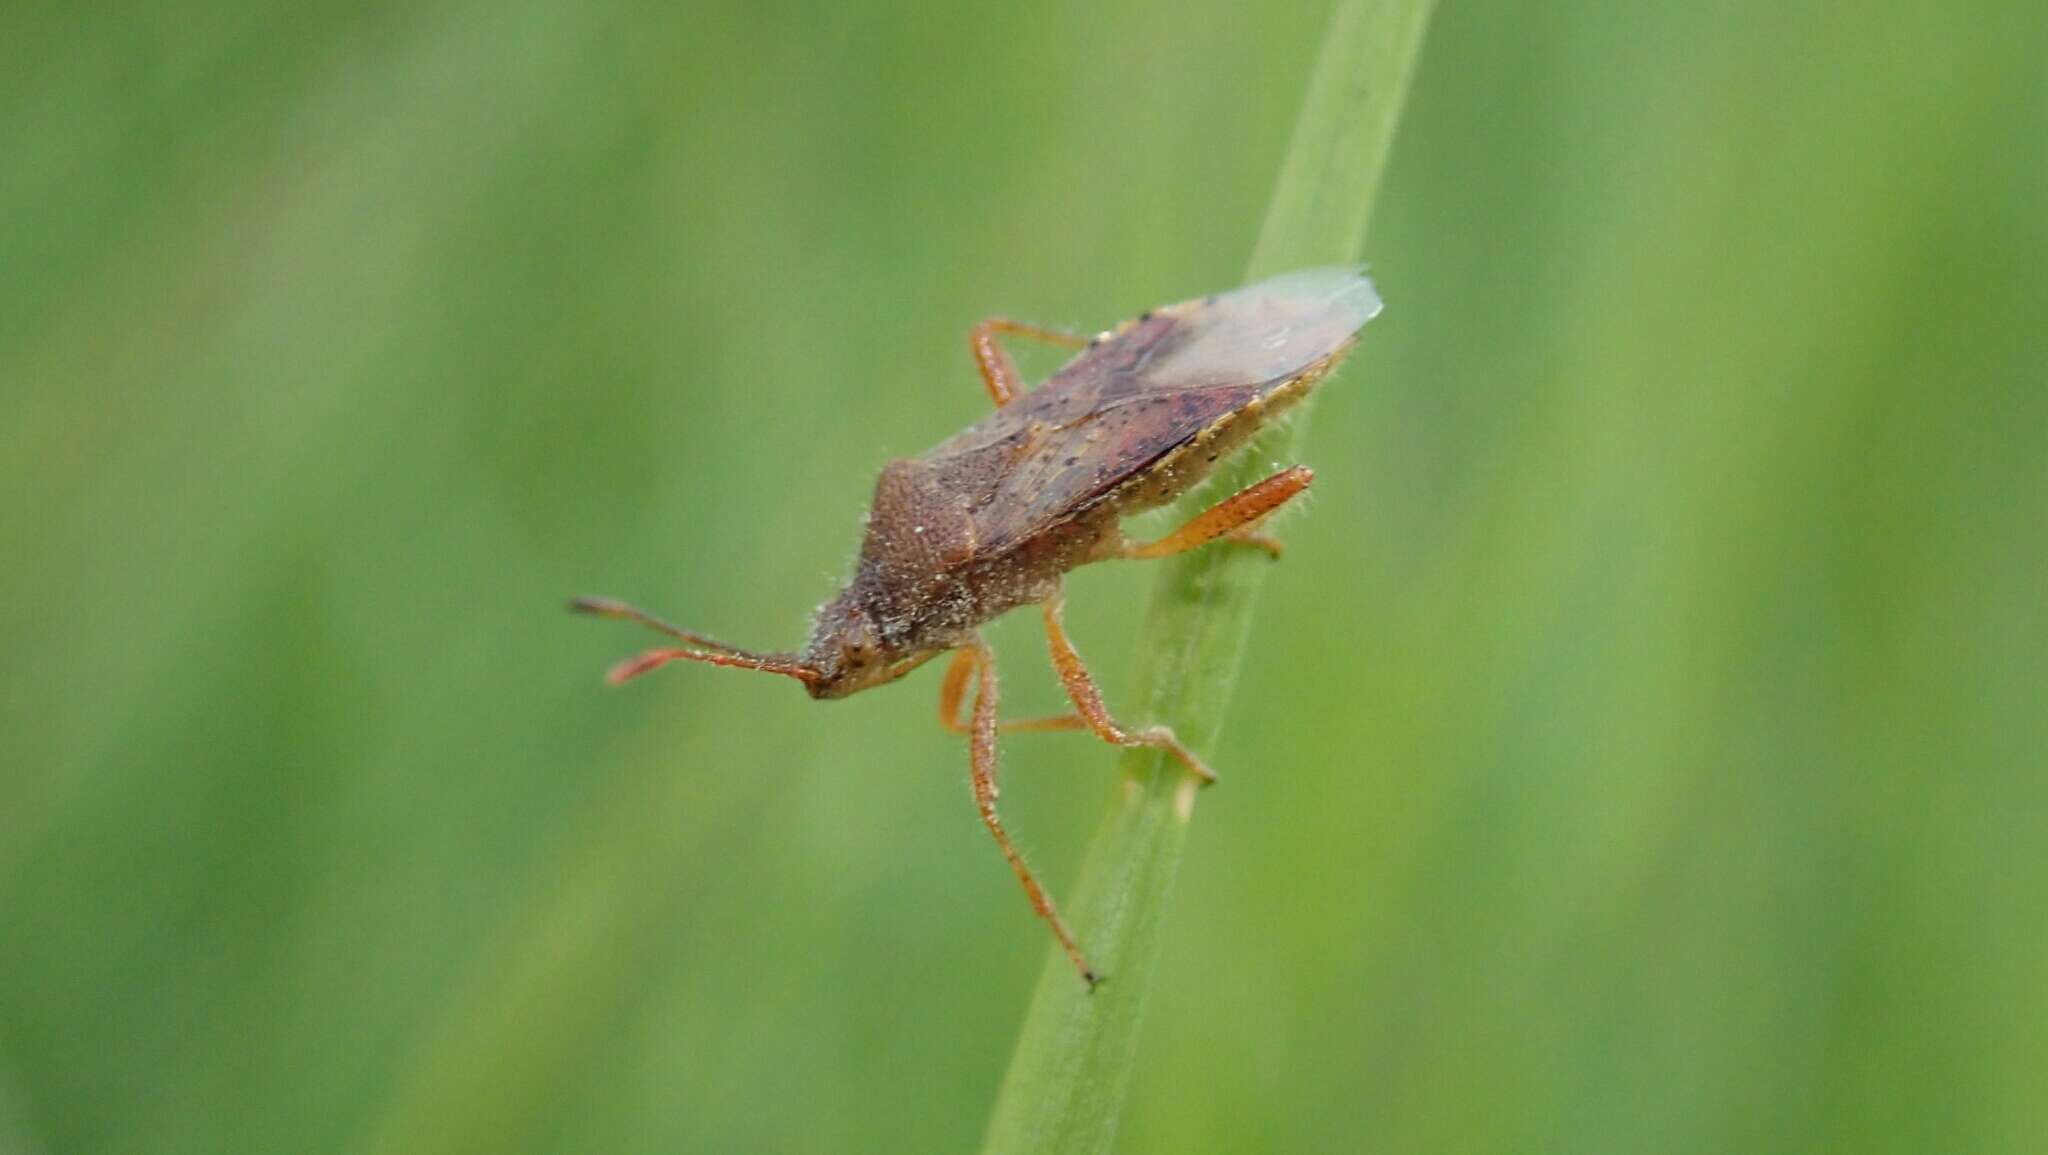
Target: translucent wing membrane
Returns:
[1264, 333]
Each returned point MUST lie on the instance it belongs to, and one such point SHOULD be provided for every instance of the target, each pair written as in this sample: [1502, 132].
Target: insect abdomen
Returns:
[1189, 463]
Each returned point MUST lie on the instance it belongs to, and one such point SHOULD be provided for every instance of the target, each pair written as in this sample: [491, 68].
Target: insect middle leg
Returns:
[953, 691]
[1088, 708]
[1090, 713]
[998, 372]
[981, 745]
[1231, 519]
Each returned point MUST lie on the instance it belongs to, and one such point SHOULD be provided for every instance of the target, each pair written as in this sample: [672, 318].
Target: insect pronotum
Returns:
[993, 517]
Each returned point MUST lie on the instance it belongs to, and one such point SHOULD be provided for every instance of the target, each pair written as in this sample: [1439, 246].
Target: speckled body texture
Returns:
[989, 519]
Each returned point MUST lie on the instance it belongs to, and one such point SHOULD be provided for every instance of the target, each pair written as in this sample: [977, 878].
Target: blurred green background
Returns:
[1642, 747]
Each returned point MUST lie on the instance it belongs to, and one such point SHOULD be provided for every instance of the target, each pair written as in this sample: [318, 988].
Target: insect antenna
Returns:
[709, 650]
[607, 608]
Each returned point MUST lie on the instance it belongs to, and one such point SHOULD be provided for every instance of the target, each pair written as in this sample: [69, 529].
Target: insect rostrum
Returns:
[992, 518]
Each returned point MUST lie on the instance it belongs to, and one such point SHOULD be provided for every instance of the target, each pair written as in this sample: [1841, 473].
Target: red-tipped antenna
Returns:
[714, 652]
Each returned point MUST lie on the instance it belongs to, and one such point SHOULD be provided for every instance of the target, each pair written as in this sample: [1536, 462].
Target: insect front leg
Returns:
[981, 745]
[1087, 699]
[1231, 519]
[998, 372]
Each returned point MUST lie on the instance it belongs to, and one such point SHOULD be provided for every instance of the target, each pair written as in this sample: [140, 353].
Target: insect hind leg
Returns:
[1231, 519]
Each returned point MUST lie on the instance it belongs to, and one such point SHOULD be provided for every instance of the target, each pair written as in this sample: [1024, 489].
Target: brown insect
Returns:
[993, 517]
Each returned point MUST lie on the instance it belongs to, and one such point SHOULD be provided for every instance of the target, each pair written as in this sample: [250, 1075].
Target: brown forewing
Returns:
[1134, 397]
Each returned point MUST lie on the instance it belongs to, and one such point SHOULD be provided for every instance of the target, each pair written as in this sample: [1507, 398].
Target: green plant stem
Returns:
[1074, 1057]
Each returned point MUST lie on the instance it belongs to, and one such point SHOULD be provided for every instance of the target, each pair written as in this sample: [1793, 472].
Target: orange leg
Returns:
[1088, 705]
[1231, 519]
[981, 745]
[953, 691]
[998, 372]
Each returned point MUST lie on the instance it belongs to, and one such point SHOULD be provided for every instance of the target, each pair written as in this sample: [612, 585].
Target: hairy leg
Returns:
[981, 744]
[1231, 519]
[1088, 705]
[998, 372]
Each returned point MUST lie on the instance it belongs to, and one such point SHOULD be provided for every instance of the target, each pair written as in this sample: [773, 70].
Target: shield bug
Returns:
[993, 517]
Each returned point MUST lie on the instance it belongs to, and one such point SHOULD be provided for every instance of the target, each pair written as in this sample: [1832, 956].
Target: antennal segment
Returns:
[785, 665]
[711, 650]
[607, 608]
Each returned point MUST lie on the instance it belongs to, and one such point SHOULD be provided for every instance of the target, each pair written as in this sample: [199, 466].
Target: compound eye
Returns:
[859, 654]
